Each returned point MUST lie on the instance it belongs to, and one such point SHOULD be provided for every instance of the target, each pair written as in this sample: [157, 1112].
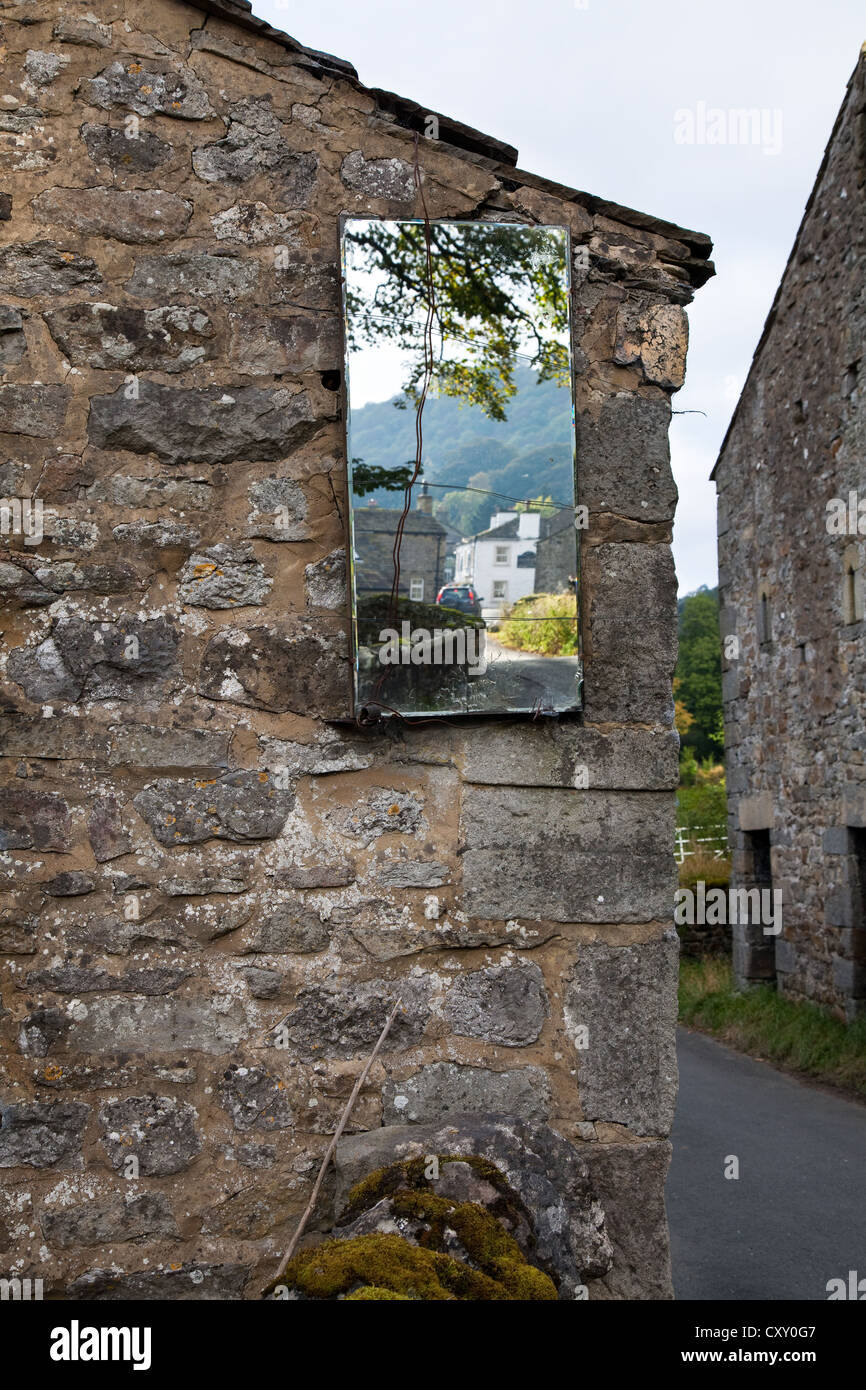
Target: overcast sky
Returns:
[589, 91]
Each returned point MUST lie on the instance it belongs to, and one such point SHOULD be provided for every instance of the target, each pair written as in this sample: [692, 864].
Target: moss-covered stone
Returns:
[452, 1249]
[411, 1173]
[371, 1293]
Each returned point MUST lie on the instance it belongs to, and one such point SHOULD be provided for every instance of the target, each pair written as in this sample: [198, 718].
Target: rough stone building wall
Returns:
[554, 554]
[795, 724]
[196, 850]
[422, 552]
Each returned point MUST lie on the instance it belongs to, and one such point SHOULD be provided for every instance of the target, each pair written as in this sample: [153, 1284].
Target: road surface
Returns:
[522, 680]
[796, 1216]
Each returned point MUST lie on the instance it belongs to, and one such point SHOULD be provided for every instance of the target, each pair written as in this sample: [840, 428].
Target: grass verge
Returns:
[797, 1036]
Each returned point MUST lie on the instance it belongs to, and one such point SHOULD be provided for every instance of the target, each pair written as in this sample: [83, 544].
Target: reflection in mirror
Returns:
[464, 563]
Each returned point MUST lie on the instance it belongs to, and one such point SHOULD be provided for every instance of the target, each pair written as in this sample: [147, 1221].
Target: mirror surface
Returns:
[463, 554]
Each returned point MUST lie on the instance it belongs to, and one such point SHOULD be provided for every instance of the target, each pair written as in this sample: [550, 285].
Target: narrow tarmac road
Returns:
[796, 1215]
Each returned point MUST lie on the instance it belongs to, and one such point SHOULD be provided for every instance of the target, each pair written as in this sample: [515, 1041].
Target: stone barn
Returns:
[215, 881]
[792, 558]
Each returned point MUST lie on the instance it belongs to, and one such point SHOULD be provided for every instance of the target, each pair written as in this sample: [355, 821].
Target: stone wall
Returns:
[422, 551]
[214, 882]
[554, 554]
[795, 661]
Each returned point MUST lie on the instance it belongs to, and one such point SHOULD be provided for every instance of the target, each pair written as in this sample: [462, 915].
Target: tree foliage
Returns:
[370, 477]
[698, 680]
[500, 294]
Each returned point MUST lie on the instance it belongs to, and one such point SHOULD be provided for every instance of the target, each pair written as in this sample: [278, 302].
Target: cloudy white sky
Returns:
[588, 91]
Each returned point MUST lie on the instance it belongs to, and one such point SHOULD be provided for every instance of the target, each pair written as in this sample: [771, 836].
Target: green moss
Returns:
[387, 1266]
[371, 1293]
[411, 1173]
[388, 1262]
[382, 1182]
[484, 1239]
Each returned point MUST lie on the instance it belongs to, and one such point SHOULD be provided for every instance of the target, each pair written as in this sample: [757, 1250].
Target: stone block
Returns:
[156, 1026]
[786, 960]
[195, 274]
[620, 1008]
[549, 1174]
[270, 669]
[224, 576]
[102, 660]
[28, 269]
[756, 812]
[568, 856]
[128, 339]
[88, 33]
[158, 1131]
[840, 909]
[110, 145]
[142, 746]
[32, 819]
[629, 1180]
[392, 179]
[151, 91]
[413, 873]
[132, 216]
[240, 806]
[836, 840]
[442, 1089]
[205, 425]
[624, 459]
[656, 336]
[504, 1004]
[38, 411]
[278, 511]
[255, 1099]
[110, 1223]
[42, 1135]
[183, 1283]
[333, 1020]
[294, 928]
[854, 806]
[849, 977]
[264, 344]
[632, 633]
[562, 755]
[256, 145]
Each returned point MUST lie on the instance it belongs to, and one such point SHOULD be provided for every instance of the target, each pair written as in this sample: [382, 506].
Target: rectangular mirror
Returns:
[463, 553]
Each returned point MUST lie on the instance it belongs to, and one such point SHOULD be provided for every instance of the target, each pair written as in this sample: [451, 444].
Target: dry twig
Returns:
[344, 1118]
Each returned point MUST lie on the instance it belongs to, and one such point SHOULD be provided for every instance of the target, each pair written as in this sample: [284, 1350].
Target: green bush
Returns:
[688, 768]
[545, 624]
[702, 808]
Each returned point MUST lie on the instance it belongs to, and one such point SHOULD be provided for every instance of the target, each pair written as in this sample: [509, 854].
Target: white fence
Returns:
[688, 844]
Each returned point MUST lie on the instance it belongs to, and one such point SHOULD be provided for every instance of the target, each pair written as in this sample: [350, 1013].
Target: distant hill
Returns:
[529, 455]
